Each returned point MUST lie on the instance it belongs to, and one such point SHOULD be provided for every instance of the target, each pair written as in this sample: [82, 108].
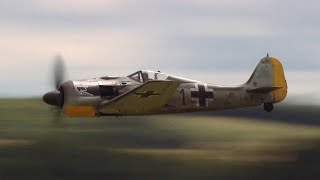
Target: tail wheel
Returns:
[268, 107]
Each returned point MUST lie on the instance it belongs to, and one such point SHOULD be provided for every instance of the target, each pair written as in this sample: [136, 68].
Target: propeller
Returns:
[56, 97]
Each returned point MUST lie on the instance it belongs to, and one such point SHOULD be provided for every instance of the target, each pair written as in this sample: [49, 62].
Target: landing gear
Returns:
[268, 107]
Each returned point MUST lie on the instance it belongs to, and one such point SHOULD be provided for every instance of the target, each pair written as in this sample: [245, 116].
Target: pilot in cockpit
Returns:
[145, 76]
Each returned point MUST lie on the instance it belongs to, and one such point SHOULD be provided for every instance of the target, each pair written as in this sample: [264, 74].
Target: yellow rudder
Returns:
[279, 81]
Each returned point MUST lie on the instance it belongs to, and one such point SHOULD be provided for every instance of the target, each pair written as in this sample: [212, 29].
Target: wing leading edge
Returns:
[148, 98]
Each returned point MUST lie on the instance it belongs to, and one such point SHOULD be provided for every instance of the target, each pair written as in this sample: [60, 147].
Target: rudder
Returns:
[279, 81]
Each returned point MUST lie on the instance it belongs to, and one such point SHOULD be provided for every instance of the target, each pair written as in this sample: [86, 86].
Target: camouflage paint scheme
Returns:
[148, 92]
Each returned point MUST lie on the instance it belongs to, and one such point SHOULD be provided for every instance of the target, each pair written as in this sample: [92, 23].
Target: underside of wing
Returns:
[148, 98]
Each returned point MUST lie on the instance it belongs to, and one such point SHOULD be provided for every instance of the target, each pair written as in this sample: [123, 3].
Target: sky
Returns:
[218, 42]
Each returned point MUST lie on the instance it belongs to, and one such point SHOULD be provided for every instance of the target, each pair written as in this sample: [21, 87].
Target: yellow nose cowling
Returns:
[79, 111]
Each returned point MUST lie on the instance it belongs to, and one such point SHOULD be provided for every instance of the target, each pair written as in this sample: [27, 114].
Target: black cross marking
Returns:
[202, 95]
[146, 94]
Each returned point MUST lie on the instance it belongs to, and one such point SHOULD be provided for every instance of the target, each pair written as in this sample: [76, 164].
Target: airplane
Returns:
[152, 92]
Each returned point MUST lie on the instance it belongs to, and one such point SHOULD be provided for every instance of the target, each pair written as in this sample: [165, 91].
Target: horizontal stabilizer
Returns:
[263, 90]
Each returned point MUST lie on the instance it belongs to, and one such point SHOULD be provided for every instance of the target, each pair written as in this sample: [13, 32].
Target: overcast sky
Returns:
[214, 41]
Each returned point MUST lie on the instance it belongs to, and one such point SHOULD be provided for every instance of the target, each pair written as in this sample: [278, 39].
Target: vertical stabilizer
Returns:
[268, 78]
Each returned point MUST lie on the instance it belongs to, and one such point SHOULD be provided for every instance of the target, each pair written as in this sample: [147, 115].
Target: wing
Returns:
[148, 98]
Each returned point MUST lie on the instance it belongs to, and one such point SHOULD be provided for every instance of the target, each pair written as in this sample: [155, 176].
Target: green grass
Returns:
[34, 145]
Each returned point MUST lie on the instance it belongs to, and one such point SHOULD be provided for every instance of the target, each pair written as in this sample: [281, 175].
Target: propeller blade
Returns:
[59, 71]
[57, 117]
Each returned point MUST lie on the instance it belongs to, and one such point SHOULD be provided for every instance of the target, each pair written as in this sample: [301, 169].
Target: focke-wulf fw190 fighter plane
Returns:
[149, 92]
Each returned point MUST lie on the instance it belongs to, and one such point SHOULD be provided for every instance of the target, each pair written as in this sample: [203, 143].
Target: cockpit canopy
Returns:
[146, 75]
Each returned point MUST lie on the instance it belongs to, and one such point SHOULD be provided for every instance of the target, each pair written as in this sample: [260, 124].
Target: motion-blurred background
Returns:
[218, 42]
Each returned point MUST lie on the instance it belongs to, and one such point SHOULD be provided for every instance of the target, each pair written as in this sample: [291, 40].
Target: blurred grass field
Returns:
[34, 145]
